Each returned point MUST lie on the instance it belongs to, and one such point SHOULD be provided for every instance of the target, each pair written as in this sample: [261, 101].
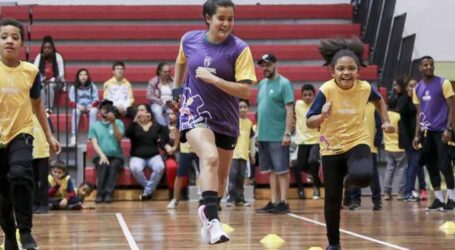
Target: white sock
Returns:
[439, 196]
[451, 194]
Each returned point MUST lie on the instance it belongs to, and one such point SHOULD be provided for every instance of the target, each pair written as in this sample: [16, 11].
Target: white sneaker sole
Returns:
[205, 237]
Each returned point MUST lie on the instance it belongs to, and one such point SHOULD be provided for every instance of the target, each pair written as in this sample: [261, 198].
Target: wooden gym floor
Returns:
[149, 225]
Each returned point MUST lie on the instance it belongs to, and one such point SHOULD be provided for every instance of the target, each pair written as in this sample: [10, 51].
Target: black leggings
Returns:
[358, 166]
[436, 155]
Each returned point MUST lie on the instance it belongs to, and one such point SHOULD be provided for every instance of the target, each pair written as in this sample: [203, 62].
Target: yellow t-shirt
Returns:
[120, 93]
[15, 102]
[40, 145]
[391, 139]
[305, 135]
[345, 127]
[63, 189]
[242, 148]
[370, 123]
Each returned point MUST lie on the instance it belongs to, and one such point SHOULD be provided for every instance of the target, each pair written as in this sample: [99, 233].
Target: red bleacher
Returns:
[169, 52]
[187, 12]
[137, 74]
[175, 32]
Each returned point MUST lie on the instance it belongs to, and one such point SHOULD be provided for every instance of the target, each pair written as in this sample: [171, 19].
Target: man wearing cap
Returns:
[275, 121]
[105, 135]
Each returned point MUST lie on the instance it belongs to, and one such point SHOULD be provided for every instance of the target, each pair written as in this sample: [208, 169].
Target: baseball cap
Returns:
[271, 58]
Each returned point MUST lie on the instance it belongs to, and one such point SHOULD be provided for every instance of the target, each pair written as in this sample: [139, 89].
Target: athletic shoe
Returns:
[450, 205]
[377, 205]
[216, 232]
[354, 206]
[229, 203]
[99, 197]
[316, 193]
[282, 208]
[333, 247]
[41, 210]
[242, 203]
[387, 196]
[144, 196]
[269, 208]
[10, 243]
[27, 241]
[400, 197]
[411, 198]
[436, 206]
[205, 237]
[423, 195]
[109, 198]
[173, 204]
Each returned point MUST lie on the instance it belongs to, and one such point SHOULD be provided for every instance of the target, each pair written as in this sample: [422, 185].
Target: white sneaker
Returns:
[173, 204]
[216, 232]
[205, 237]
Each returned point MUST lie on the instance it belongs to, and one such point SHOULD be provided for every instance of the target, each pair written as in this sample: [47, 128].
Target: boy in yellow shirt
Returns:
[396, 158]
[243, 152]
[118, 90]
[308, 159]
[20, 87]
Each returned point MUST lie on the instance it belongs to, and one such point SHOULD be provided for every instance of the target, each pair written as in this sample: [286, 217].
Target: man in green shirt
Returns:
[105, 136]
[275, 121]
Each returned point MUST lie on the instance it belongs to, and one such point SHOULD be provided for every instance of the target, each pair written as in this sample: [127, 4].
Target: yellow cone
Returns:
[272, 241]
[228, 229]
[315, 248]
[448, 227]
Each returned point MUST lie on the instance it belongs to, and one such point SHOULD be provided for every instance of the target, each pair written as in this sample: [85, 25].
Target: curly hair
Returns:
[333, 49]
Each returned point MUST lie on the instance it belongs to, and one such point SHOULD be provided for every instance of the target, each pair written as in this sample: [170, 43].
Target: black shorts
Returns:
[221, 141]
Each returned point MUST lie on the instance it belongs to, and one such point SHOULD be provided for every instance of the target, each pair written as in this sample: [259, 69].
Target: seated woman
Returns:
[159, 92]
[147, 137]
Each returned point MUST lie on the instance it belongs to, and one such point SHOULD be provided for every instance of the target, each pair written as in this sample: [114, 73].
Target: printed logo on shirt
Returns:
[208, 60]
[426, 97]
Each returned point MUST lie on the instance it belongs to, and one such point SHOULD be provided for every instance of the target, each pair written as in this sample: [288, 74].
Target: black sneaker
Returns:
[354, 206]
[99, 198]
[282, 208]
[108, 198]
[450, 205]
[333, 247]
[377, 205]
[41, 210]
[27, 241]
[436, 206]
[269, 208]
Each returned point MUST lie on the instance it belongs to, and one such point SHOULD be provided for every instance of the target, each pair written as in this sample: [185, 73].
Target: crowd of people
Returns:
[197, 122]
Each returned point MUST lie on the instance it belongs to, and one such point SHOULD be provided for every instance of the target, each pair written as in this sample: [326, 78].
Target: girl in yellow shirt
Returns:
[338, 110]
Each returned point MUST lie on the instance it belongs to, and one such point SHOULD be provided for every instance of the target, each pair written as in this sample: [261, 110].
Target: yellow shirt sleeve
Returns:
[181, 58]
[447, 89]
[415, 99]
[244, 66]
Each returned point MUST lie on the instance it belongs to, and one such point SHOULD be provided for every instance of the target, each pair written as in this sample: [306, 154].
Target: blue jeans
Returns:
[414, 170]
[155, 163]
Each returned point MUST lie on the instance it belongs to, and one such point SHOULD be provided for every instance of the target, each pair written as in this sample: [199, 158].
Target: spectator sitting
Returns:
[159, 92]
[83, 191]
[118, 90]
[62, 194]
[51, 67]
[84, 95]
[147, 137]
[105, 136]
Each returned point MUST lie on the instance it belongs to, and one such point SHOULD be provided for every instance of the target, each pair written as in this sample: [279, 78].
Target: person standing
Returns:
[433, 97]
[338, 111]
[275, 121]
[220, 69]
[20, 88]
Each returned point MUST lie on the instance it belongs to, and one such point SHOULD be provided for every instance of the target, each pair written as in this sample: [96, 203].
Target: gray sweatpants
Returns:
[396, 167]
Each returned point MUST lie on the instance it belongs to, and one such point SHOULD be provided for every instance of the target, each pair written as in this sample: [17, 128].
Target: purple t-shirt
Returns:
[204, 104]
[433, 105]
